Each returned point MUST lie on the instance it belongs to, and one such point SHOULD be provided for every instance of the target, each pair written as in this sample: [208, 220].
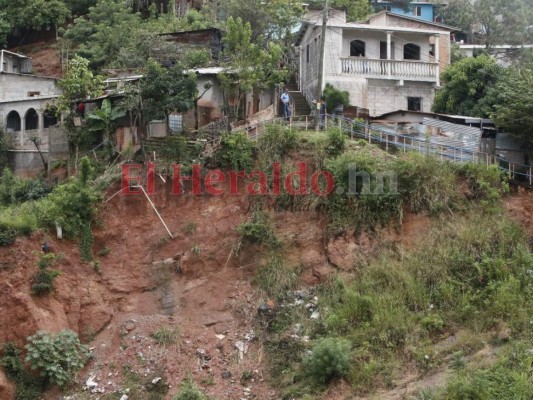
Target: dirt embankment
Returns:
[204, 289]
[46, 59]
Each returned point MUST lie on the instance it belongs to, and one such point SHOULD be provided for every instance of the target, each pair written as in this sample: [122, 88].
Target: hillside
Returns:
[235, 300]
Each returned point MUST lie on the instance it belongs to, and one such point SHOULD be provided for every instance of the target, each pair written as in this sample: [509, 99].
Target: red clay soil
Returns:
[45, 57]
[207, 292]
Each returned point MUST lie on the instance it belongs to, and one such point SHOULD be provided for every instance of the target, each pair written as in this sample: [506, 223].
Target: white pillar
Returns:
[389, 50]
[437, 57]
[389, 53]
[40, 124]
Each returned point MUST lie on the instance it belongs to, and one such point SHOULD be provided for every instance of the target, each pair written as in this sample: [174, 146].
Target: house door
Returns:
[383, 50]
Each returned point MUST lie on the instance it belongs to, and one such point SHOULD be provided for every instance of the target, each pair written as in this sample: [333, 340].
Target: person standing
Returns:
[285, 101]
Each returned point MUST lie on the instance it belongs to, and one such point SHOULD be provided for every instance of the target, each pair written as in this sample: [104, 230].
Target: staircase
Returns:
[299, 102]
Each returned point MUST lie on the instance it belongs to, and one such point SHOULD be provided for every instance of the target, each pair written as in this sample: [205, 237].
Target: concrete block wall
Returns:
[16, 87]
[384, 97]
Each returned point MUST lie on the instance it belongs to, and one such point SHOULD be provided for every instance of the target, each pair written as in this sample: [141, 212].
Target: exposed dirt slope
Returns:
[207, 290]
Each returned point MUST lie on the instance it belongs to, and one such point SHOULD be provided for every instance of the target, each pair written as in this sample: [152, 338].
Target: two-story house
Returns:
[24, 99]
[388, 62]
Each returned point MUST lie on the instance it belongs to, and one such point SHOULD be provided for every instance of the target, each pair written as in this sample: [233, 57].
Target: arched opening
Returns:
[411, 51]
[50, 117]
[357, 48]
[13, 121]
[31, 120]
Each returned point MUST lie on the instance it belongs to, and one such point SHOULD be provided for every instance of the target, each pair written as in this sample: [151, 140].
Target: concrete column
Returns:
[389, 53]
[40, 124]
[437, 57]
[22, 128]
[389, 50]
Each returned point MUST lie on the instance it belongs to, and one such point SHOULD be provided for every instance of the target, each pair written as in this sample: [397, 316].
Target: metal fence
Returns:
[426, 145]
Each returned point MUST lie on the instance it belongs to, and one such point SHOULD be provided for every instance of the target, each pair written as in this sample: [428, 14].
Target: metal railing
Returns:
[355, 129]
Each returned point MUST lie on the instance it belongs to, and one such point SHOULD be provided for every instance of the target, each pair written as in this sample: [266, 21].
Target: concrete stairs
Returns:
[299, 102]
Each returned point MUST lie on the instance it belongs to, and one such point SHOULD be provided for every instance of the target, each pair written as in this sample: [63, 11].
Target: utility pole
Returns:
[321, 64]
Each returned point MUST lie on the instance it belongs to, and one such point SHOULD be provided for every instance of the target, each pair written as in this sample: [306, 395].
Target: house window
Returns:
[4, 67]
[411, 51]
[432, 50]
[175, 123]
[357, 48]
[414, 103]
[417, 11]
[307, 54]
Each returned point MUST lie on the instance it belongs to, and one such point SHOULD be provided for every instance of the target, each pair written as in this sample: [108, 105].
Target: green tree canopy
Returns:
[514, 110]
[491, 22]
[34, 14]
[167, 90]
[104, 31]
[467, 87]
[248, 65]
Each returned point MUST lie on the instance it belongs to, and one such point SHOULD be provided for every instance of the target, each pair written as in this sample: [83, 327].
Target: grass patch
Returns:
[470, 275]
[165, 336]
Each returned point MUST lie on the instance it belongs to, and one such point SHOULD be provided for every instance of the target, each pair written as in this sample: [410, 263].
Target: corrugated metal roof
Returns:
[453, 128]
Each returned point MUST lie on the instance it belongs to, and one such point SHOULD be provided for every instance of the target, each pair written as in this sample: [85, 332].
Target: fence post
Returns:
[404, 145]
[306, 123]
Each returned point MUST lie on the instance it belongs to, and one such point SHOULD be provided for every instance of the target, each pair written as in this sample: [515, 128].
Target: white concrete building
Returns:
[388, 62]
[24, 99]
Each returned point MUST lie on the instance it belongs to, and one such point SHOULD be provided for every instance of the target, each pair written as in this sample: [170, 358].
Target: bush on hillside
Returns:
[57, 357]
[236, 152]
[330, 358]
[276, 142]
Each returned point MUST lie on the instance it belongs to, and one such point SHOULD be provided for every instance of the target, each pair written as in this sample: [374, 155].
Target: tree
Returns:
[249, 66]
[167, 90]
[356, 10]
[491, 22]
[78, 83]
[30, 14]
[102, 32]
[467, 87]
[514, 111]
[269, 20]
[105, 118]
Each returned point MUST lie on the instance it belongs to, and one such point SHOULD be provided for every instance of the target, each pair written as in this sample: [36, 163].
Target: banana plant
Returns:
[105, 118]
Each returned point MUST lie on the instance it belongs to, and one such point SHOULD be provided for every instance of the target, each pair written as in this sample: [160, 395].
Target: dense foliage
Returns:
[57, 357]
[467, 87]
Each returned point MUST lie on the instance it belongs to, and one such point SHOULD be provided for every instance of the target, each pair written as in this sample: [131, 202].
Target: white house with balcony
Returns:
[388, 62]
[24, 101]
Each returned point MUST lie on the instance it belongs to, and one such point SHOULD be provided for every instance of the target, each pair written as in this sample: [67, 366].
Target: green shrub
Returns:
[335, 97]
[276, 142]
[28, 387]
[485, 182]
[258, 231]
[10, 361]
[57, 357]
[15, 190]
[7, 235]
[330, 358]
[369, 204]
[350, 310]
[236, 152]
[336, 142]
[189, 391]
[43, 280]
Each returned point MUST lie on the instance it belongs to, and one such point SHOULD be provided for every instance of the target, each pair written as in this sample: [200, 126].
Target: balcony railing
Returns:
[391, 69]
